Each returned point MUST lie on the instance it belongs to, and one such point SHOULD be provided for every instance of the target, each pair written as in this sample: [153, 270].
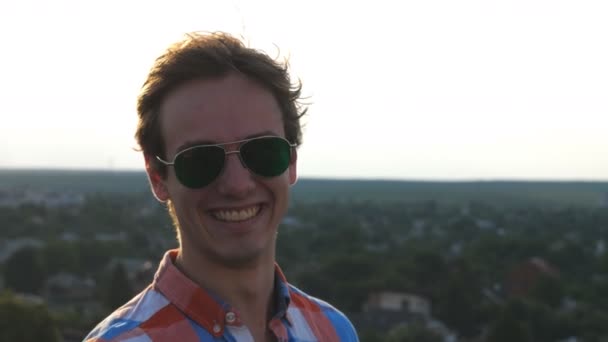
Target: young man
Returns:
[219, 127]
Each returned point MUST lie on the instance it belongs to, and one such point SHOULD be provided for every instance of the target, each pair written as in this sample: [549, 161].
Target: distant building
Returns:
[386, 310]
[526, 275]
[69, 287]
[485, 224]
[68, 293]
[400, 302]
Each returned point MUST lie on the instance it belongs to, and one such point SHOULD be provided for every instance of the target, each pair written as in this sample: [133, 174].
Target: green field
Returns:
[497, 192]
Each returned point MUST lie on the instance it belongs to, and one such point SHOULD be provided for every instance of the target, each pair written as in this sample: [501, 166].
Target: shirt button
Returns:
[230, 317]
[217, 328]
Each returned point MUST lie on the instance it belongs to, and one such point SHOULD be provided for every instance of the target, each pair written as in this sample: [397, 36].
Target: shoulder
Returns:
[321, 312]
[125, 322]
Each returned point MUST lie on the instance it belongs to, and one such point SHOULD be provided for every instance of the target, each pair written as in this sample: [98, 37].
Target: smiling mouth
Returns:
[236, 215]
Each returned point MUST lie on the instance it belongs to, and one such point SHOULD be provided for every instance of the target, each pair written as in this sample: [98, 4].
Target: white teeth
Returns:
[236, 215]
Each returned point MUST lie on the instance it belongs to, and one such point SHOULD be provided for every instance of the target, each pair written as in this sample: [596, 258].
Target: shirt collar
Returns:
[201, 305]
[281, 293]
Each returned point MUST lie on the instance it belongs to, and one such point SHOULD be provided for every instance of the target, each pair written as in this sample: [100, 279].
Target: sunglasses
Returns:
[198, 166]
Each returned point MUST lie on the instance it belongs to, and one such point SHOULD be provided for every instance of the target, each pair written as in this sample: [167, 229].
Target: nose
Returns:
[235, 180]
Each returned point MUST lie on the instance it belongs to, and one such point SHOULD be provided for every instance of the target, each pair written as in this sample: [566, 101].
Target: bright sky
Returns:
[433, 89]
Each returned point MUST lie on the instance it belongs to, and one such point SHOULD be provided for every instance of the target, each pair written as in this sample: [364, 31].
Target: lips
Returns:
[236, 215]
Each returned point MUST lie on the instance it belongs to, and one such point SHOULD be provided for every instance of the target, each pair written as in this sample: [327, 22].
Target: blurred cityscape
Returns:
[443, 265]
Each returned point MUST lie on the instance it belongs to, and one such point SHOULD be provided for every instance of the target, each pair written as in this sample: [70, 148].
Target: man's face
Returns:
[234, 219]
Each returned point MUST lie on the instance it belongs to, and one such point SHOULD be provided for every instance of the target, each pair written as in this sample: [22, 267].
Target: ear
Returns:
[293, 167]
[157, 183]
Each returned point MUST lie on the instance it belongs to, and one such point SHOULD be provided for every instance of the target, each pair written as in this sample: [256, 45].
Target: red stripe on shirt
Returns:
[169, 324]
[318, 323]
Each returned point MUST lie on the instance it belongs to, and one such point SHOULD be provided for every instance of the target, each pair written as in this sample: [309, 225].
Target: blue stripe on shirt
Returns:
[119, 326]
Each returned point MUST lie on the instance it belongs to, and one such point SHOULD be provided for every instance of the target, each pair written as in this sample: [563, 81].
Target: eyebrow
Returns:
[192, 143]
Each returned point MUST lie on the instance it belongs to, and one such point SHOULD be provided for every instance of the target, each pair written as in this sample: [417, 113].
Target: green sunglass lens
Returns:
[267, 157]
[199, 166]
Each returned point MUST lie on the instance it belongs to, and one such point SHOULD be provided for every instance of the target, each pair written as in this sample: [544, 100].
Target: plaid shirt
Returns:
[173, 308]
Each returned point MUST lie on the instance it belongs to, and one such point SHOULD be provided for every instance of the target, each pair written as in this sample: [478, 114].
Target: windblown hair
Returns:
[209, 56]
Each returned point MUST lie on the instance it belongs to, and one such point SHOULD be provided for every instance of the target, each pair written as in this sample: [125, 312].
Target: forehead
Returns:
[218, 110]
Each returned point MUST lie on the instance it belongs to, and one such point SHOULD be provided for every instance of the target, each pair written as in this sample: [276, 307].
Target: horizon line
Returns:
[335, 178]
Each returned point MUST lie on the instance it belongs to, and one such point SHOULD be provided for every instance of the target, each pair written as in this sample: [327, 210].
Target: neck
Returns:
[248, 287]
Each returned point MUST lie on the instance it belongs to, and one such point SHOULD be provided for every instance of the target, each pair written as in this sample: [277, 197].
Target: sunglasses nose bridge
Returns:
[228, 153]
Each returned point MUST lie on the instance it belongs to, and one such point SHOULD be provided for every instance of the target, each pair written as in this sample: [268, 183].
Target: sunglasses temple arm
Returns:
[164, 161]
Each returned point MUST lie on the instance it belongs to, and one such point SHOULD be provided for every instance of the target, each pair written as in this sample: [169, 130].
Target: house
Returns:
[525, 276]
[386, 310]
[68, 293]
[398, 302]
[69, 287]
[485, 224]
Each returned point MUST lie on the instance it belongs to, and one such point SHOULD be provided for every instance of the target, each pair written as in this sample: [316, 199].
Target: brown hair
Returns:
[212, 55]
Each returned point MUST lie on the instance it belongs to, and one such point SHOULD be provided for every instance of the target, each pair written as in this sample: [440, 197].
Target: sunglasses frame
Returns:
[240, 143]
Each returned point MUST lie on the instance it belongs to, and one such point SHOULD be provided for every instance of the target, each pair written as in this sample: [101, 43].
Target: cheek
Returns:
[187, 202]
[280, 192]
